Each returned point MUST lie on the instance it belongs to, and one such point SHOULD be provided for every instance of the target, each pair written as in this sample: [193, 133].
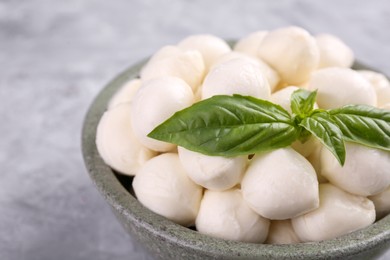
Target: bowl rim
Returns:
[377, 234]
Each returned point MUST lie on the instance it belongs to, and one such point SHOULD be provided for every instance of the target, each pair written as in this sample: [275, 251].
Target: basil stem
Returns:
[302, 102]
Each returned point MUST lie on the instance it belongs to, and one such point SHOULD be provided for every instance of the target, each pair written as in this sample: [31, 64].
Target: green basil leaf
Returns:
[364, 125]
[229, 126]
[302, 102]
[321, 126]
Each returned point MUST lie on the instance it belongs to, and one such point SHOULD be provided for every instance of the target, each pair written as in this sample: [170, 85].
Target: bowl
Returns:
[167, 240]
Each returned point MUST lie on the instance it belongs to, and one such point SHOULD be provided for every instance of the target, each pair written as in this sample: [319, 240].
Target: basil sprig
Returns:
[241, 125]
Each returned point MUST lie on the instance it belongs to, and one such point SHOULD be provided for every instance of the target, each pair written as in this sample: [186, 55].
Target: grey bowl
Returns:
[167, 240]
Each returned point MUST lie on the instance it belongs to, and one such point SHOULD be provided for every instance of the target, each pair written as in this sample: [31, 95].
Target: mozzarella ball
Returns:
[162, 186]
[366, 170]
[210, 46]
[167, 51]
[338, 87]
[186, 65]
[333, 52]
[292, 52]
[283, 97]
[382, 203]
[156, 101]
[212, 172]
[226, 215]
[280, 184]
[117, 143]
[339, 213]
[237, 76]
[386, 106]
[381, 85]
[250, 44]
[125, 94]
[281, 232]
[315, 159]
[269, 73]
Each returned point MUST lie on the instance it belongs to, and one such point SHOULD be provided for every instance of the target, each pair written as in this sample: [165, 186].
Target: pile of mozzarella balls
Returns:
[295, 194]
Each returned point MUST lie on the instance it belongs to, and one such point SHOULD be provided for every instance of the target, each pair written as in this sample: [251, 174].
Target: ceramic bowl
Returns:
[167, 240]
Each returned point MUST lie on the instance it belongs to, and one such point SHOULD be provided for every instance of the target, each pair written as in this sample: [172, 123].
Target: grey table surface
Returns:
[55, 56]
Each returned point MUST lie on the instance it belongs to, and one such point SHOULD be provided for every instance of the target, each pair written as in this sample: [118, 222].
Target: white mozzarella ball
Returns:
[237, 76]
[226, 215]
[117, 144]
[381, 85]
[212, 172]
[333, 52]
[250, 44]
[382, 203]
[210, 46]
[366, 170]
[186, 65]
[280, 184]
[162, 186]
[338, 87]
[283, 97]
[281, 232]
[155, 101]
[386, 106]
[167, 51]
[269, 73]
[315, 159]
[125, 94]
[292, 52]
[339, 213]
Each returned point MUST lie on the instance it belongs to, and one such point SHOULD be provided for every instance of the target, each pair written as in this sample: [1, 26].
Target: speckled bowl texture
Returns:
[167, 240]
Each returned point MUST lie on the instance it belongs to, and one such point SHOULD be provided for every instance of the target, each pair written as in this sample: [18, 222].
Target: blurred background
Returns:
[55, 56]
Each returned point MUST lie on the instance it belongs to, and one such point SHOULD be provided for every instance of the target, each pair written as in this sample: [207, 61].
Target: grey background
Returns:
[55, 56]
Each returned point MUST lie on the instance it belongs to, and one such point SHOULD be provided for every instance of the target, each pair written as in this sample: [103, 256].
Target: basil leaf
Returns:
[364, 125]
[302, 102]
[321, 126]
[229, 126]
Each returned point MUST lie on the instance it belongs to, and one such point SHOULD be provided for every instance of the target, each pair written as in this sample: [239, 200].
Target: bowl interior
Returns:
[117, 190]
